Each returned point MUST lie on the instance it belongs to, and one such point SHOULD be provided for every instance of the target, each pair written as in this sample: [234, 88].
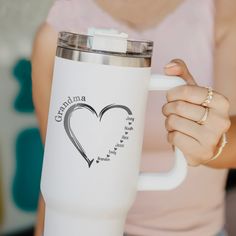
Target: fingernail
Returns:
[171, 64]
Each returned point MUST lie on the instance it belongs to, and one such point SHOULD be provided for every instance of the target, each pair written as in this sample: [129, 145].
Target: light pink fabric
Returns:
[197, 206]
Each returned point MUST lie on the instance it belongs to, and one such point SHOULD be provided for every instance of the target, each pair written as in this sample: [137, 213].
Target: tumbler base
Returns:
[58, 224]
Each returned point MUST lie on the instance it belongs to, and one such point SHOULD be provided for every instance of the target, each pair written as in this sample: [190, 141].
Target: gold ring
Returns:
[209, 97]
[204, 117]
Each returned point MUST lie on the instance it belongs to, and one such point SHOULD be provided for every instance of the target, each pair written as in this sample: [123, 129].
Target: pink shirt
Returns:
[197, 206]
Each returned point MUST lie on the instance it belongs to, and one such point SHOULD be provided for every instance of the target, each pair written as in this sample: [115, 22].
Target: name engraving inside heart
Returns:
[71, 134]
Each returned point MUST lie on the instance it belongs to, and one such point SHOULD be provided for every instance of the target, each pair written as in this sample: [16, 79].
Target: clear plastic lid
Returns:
[107, 43]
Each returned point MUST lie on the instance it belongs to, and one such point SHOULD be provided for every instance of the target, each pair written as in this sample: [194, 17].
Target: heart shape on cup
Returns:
[70, 132]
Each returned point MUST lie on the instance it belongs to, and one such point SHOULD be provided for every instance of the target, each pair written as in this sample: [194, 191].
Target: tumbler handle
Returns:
[174, 177]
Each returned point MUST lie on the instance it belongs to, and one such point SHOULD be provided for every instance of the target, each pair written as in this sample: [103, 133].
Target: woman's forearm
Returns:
[40, 217]
[43, 54]
[227, 159]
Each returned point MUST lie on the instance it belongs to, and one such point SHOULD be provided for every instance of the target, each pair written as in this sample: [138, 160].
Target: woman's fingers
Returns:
[187, 110]
[179, 68]
[185, 134]
[197, 95]
[194, 148]
[183, 111]
[185, 126]
[190, 92]
[213, 122]
[205, 136]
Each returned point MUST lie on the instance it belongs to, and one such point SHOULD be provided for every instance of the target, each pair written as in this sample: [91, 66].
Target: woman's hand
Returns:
[183, 111]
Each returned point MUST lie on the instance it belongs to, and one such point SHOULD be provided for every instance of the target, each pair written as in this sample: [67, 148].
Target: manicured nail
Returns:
[171, 64]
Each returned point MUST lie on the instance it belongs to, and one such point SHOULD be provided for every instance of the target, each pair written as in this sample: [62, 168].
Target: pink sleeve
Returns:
[61, 16]
[77, 16]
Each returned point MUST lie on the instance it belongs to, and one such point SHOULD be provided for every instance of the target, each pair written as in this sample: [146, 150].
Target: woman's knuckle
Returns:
[179, 61]
[164, 109]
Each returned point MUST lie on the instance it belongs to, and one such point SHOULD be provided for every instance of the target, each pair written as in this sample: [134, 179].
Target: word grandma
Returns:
[65, 104]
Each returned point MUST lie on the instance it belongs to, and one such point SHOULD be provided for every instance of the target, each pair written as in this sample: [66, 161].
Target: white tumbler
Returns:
[95, 133]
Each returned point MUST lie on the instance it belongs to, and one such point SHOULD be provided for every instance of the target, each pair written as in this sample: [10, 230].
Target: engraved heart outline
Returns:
[69, 131]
